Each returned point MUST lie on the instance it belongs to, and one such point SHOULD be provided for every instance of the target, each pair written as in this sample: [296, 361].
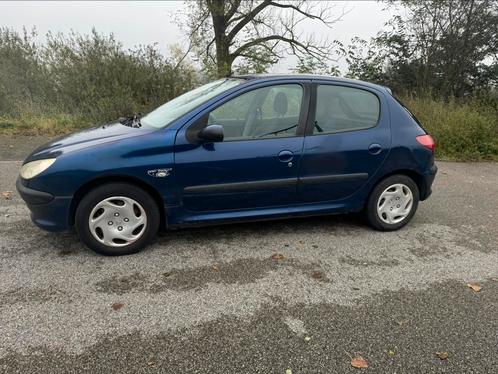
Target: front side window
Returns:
[174, 109]
[340, 108]
[266, 112]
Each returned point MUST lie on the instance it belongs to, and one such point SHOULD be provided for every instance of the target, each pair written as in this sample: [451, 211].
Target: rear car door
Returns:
[347, 139]
[256, 164]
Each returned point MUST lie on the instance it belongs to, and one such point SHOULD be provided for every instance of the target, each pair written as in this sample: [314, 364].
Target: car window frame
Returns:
[313, 106]
[201, 121]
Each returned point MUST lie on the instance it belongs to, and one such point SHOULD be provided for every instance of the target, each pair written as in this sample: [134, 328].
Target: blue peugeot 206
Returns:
[236, 149]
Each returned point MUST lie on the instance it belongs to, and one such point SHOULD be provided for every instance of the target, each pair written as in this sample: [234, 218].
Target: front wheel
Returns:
[392, 203]
[117, 219]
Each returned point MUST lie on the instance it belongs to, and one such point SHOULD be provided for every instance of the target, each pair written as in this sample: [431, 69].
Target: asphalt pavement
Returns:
[290, 296]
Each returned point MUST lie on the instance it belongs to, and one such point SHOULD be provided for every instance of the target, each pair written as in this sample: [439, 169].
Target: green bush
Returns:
[88, 78]
[30, 124]
[463, 130]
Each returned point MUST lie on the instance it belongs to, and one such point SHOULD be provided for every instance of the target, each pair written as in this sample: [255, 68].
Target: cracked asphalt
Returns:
[217, 299]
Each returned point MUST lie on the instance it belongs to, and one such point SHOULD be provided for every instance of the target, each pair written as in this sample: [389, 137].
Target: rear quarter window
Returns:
[341, 108]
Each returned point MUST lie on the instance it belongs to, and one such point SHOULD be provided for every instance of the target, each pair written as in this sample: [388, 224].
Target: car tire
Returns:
[117, 219]
[392, 203]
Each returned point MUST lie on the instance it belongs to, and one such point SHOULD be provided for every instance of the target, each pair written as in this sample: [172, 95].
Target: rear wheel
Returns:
[117, 219]
[392, 203]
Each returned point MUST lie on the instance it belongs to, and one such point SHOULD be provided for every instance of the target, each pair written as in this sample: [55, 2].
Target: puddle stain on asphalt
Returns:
[32, 295]
[241, 271]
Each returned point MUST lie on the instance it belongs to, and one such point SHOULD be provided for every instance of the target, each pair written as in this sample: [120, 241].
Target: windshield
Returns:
[182, 104]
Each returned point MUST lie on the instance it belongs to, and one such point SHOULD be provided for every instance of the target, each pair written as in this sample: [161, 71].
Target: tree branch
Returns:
[292, 42]
[247, 18]
[319, 17]
[233, 9]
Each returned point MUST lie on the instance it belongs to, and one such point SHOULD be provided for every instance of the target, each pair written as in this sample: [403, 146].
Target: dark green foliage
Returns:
[448, 47]
[464, 130]
[23, 76]
[91, 77]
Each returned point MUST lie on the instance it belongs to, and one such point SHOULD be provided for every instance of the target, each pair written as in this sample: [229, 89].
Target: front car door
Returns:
[256, 164]
[347, 139]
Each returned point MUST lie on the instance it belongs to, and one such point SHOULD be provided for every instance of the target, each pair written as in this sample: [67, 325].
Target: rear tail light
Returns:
[427, 142]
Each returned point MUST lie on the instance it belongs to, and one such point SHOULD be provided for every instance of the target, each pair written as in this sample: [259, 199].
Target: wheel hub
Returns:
[117, 221]
[395, 203]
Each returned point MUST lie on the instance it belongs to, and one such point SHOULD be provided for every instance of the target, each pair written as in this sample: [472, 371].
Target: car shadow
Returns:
[341, 223]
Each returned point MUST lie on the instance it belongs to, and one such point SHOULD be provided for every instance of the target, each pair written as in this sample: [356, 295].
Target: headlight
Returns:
[33, 168]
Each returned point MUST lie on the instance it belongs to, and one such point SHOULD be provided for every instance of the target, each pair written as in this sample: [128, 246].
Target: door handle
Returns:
[375, 149]
[285, 156]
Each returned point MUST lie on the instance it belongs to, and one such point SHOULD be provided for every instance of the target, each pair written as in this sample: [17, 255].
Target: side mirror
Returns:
[211, 134]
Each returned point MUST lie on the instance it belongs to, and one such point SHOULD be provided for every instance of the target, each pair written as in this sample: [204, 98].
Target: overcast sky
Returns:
[151, 22]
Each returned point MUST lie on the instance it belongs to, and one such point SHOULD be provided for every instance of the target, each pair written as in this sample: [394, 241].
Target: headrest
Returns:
[280, 103]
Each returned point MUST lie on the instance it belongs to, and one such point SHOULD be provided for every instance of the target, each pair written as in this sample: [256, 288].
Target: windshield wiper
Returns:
[131, 121]
[277, 131]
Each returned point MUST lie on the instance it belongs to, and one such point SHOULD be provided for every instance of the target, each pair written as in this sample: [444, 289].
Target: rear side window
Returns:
[408, 111]
[340, 108]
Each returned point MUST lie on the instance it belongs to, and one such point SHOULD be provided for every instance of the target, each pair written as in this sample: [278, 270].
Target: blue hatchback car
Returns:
[236, 149]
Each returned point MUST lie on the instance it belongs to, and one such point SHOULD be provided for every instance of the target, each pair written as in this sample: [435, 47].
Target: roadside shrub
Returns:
[83, 76]
[24, 83]
[463, 130]
[95, 77]
[31, 124]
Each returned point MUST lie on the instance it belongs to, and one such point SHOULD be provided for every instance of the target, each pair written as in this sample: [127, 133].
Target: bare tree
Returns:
[257, 32]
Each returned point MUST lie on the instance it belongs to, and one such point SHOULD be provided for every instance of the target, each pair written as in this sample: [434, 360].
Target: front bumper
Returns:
[47, 211]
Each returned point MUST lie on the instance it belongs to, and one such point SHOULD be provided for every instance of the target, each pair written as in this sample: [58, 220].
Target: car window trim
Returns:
[199, 123]
[310, 123]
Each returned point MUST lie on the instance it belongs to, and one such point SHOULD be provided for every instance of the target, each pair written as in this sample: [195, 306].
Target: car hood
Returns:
[86, 138]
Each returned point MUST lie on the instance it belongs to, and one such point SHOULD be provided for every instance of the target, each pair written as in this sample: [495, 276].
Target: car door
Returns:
[347, 139]
[256, 164]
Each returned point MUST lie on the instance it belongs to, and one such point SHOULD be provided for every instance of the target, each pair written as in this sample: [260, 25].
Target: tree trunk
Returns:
[223, 58]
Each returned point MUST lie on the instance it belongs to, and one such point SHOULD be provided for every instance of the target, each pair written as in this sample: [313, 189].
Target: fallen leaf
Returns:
[301, 242]
[7, 195]
[307, 338]
[392, 353]
[402, 322]
[474, 287]
[359, 362]
[442, 355]
[317, 275]
[216, 268]
[288, 371]
[314, 246]
[117, 306]
[277, 256]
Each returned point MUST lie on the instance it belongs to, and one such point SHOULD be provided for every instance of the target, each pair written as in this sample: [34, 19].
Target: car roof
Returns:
[266, 77]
